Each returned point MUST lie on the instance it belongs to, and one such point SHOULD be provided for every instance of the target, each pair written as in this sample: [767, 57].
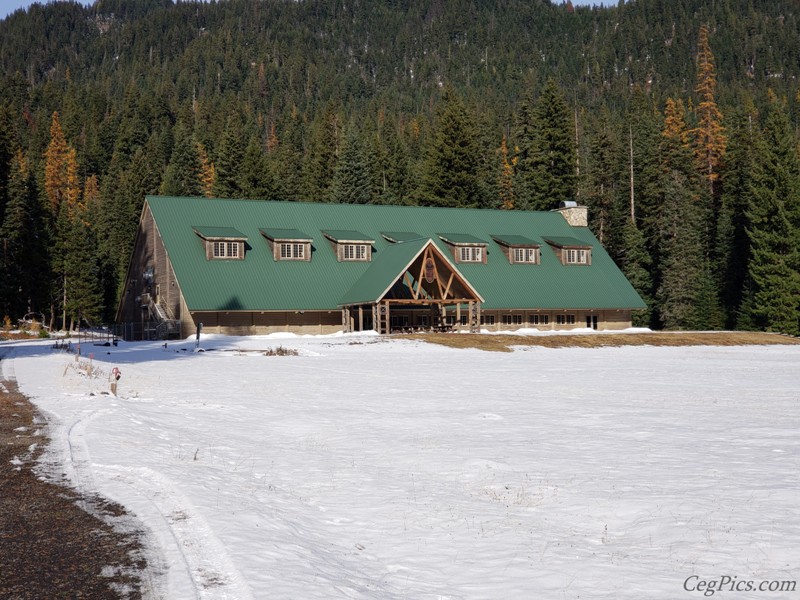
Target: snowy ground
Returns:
[370, 468]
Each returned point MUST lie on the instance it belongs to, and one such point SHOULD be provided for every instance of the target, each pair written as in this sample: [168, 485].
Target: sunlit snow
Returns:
[373, 468]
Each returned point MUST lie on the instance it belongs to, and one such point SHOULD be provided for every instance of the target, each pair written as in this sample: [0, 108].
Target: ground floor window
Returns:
[423, 320]
[539, 319]
[487, 319]
[399, 320]
[565, 319]
[512, 319]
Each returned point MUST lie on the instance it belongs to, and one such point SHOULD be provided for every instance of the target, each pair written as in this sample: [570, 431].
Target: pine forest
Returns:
[674, 121]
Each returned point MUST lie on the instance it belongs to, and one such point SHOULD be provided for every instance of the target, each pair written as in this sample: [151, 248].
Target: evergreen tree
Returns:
[635, 262]
[732, 242]
[323, 155]
[547, 161]
[23, 245]
[451, 171]
[604, 182]
[229, 160]
[680, 249]
[774, 228]
[255, 178]
[287, 159]
[6, 155]
[388, 163]
[182, 177]
[79, 267]
[351, 180]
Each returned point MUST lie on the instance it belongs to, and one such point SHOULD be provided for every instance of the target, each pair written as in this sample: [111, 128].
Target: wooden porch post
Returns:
[345, 319]
[361, 317]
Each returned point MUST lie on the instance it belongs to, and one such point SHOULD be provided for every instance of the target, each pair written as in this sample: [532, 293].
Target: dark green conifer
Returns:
[450, 176]
[774, 228]
[351, 180]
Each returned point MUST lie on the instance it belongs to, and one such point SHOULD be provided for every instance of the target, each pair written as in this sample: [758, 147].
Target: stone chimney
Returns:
[577, 216]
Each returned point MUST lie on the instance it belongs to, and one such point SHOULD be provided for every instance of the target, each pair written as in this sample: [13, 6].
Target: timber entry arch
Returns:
[411, 285]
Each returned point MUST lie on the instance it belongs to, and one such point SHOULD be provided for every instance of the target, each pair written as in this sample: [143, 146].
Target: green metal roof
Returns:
[283, 235]
[347, 235]
[461, 238]
[514, 240]
[400, 236]
[211, 233]
[261, 283]
[565, 241]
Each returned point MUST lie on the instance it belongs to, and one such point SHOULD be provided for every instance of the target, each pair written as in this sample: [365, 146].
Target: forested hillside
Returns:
[675, 121]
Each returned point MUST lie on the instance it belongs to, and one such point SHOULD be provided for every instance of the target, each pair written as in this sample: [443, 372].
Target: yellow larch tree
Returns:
[61, 182]
[709, 135]
[208, 173]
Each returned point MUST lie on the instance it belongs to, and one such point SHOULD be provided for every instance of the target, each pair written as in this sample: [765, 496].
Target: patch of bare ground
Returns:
[503, 343]
[50, 547]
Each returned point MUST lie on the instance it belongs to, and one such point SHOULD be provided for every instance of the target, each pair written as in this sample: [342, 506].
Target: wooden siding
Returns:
[262, 323]
[149, 252]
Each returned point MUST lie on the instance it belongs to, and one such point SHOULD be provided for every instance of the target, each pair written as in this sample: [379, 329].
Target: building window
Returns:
[565, 319]
[293, 251]
[487, 319]
[576, 257]
[525, 255]
[470, 254]
[512, 319]
[539, 319]
[463, 319]
[226, 250]
[399, 320]
[354, 252]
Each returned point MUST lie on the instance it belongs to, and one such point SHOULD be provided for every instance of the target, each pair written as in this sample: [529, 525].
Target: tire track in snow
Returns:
[203, 563]
[198, 562]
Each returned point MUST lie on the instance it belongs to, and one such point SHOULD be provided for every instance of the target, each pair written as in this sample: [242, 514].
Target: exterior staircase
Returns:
[161, 325]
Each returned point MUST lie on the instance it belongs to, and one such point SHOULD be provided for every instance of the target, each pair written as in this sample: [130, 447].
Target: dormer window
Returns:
[226, 250]
[525, 255]
[470, 254]
[354, 252]
[576, 257]
[350, 246]
[466, 248]
[222, 243]
[519, 249]
[288, 244]
[296, 251]
[571, 251]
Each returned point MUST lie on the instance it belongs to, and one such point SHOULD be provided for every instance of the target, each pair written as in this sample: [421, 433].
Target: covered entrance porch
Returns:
[411, 286]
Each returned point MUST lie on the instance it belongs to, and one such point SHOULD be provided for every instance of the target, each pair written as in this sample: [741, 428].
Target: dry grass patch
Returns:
[55, 542]
[503, 343]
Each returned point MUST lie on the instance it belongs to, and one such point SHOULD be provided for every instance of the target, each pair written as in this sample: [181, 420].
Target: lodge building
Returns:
[244, 267]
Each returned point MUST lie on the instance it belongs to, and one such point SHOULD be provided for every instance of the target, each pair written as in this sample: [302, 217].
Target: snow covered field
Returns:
[383, 469]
